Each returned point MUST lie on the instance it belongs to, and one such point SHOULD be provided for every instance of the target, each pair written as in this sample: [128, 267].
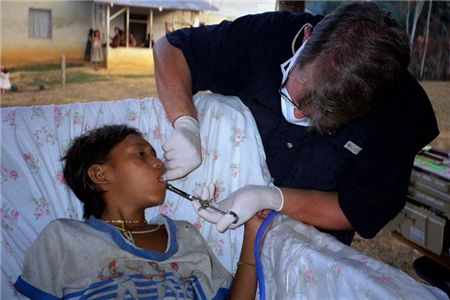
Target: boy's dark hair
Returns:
[88, 149]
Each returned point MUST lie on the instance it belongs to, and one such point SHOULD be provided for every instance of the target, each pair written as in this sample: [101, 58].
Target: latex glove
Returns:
[183, 149]
[245, 202]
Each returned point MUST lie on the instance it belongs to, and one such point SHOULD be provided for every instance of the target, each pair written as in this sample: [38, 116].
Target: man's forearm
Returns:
[173, 80]
[320, 209]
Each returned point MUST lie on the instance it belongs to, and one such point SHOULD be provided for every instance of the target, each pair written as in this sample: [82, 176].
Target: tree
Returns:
[427, 32]
[417, 11]
[293, 6]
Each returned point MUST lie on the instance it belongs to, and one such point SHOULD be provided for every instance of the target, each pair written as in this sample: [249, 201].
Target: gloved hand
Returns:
[183, 149]
[245, 202]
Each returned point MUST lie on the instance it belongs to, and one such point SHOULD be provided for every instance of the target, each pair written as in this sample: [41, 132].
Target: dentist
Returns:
[340, 123]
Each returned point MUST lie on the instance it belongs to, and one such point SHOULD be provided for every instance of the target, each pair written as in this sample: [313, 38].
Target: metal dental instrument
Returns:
[204, 203]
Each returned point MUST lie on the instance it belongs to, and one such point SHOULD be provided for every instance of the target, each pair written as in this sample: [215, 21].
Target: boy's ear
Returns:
[98, 175]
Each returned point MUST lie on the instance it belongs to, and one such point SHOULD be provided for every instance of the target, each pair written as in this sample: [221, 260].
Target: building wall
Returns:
[130, 59]
[70, 23]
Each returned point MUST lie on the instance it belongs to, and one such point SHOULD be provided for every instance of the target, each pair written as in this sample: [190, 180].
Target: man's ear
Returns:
[306, 33]
[97, 174]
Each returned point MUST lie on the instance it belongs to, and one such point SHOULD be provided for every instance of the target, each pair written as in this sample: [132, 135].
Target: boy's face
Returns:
[134, 175]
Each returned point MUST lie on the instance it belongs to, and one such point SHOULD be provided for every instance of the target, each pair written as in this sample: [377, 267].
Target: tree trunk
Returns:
[292, 6]
[418, 10]
[422, 65]
[408, 12]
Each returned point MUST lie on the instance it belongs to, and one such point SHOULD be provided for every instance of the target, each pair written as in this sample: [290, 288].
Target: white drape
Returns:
[39, 23]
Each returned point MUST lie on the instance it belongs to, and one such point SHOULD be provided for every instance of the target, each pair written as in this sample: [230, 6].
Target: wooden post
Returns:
[63, 70]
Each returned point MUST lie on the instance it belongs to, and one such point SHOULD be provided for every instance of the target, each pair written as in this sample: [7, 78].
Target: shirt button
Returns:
[289, 145]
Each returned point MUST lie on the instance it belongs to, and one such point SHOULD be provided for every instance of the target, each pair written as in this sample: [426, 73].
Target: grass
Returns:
[76, 78]
[134, 76]
[81, 77]
[40, 68]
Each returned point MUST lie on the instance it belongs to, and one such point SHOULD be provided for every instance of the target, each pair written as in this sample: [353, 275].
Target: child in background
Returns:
[96, 49]
[115, 253]
[5, 85]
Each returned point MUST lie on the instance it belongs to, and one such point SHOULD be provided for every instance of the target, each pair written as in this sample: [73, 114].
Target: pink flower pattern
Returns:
[234, 168]
[32, 162]
[157, 134]
[214, 154]
[87, 128]
[60, 116]
[203, 150]
[217, 115]
[43, 136]
[219, 189]
[60, 177]
[309, 275]
[6, 247]
[9, 216]
[216, 244]
[42, 207]
[166, 208]
[198, 224]
[131, 115]
[335, 270]
[36, 112]
[384, 279]
[198, 187]
[7, 173]
[239, 136]
[71, 213]
[11, 119]
[244, 108]
[77, 118]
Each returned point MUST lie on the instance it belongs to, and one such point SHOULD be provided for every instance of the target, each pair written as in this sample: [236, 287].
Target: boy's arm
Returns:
[244, 283]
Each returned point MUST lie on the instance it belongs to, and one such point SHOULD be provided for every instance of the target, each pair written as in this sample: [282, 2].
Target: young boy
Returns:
[115, 253]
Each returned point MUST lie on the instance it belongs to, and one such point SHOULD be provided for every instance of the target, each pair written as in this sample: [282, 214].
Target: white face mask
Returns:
[287, 108]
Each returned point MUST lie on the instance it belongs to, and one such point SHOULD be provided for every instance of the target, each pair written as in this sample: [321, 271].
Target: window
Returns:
[40, 23]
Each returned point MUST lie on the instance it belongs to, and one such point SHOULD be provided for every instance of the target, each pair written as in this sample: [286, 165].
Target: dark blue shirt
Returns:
[242, 58]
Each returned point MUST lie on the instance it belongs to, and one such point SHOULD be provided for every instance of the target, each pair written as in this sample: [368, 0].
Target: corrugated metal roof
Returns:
[165, 4]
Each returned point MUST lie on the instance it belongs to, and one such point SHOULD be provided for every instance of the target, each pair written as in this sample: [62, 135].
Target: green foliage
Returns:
[41, 85]
[14, 87]
[437, 55]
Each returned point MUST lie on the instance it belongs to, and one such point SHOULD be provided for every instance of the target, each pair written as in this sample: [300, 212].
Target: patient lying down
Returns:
[116, 253]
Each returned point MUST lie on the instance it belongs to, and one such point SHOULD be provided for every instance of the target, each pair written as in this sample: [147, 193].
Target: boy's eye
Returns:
[140, 153]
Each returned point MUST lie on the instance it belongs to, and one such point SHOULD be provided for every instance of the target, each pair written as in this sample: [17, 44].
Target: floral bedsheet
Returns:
[33, 191]
[299, 262]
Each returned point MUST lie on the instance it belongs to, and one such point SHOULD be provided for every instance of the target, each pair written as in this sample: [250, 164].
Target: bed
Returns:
[33, 191]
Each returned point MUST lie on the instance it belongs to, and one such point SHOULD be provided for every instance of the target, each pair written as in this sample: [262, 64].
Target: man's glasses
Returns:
[280, 90]
[283, 94]
[287, 98]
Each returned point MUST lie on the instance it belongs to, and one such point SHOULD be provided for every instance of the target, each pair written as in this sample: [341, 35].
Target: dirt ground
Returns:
[106, 85]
